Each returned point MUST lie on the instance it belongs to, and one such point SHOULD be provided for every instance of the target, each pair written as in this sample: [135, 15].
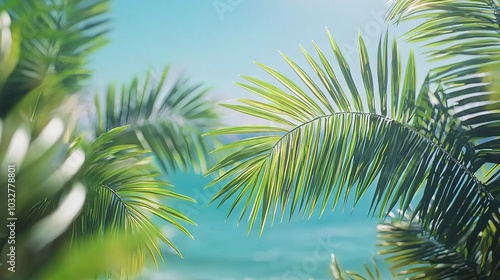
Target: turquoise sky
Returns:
[214, 41]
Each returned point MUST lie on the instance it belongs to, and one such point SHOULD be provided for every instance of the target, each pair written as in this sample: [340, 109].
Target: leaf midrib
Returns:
[477, 182]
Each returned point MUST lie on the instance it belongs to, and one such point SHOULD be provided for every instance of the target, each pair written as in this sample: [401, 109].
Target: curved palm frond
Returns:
[56, 39]
[318, 156]
[300, 117]
[414, 254]
[466, 35]
[166, 116]
[124, 195]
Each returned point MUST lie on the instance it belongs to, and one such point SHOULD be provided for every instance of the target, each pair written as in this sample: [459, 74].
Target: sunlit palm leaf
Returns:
[166, 115]
[299, 117]
[56, 38]
[326, 156]
[44, 161]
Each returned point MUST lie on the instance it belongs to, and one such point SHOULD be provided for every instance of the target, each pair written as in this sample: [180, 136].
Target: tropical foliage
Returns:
[432, 144]
[80, 195]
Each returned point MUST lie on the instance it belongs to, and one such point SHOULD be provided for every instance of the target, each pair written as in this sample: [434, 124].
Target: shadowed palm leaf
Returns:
[465, 36]
[331, 144]
[415, 254]
[45, 163]
[448, 29]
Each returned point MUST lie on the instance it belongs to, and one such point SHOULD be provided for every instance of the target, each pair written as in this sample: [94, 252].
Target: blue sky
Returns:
[213, 41]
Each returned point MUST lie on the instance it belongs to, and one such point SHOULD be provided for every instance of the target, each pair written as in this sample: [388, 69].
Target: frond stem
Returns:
[450, 157]
[117, 195]
[496, 12]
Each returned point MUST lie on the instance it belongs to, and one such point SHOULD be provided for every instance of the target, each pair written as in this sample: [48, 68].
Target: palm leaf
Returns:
[448, 28]
[44, 162]
[465, 37]
[166, 115]
[328, 156]
[124, 195]
[414, 254]
[57, 38]
[301, 120]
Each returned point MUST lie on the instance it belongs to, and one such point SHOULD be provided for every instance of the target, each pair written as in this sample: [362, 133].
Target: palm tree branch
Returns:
[411, 144]
[414, 254]
[466, 71]
[172, 108]
[56, 40]
[124, 194]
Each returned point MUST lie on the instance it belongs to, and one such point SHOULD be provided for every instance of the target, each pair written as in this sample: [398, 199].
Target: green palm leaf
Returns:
[414, 254]
[57, 38]
[306, 121]
[9, 48]
[124, 195]
[166, 115]
[45, 163]
[465, 37]
[381, 140]
[448, 28]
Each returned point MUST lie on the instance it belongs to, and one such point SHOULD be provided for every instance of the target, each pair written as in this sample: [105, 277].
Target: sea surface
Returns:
[301, 249]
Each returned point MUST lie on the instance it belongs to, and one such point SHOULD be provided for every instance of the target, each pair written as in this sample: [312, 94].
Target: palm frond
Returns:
[44, 161]
[448, 28]
[465, 36]
[328, 156]
[317, 128]
[414, 254]
[46, 155]
[57, 38]
[124, 195]
[166, 115]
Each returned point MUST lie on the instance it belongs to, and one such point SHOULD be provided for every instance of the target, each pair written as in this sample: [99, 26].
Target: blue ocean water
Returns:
[286, 251]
